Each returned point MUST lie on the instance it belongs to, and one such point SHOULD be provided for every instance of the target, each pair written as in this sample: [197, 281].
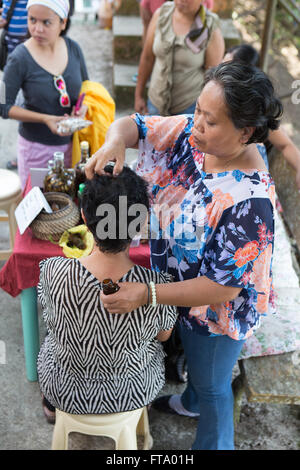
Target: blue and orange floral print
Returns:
[219, 225]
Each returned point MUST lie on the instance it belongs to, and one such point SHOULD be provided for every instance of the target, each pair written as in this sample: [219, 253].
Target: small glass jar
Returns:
[109, 287]
[59, 178]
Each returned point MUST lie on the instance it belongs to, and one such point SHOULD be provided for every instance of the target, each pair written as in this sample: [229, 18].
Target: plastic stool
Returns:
[123, 428]
[10, 196]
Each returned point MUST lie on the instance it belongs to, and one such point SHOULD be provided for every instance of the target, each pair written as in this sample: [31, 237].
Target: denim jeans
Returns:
[153, 111]
[210, 360]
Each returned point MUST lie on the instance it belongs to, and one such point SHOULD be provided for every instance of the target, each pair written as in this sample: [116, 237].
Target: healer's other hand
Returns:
[130, 296]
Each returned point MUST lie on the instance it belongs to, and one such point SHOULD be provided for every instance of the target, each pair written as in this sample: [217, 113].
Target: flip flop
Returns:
[12, 165]
[50, 415]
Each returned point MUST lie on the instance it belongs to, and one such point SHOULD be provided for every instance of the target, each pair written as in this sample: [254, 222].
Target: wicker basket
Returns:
[51, 226]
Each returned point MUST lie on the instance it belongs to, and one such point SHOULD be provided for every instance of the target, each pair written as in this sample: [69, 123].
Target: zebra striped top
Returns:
[93, 362]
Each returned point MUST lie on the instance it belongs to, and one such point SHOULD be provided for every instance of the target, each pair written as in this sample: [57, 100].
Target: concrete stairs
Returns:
[127, 48]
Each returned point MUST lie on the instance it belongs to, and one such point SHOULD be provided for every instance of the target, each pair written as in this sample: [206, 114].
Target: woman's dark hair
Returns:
[114, 221]
[68, 24]
[249, 96]
[245, 53]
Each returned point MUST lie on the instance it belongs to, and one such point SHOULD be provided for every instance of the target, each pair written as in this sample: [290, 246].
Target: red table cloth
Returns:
[21, 270]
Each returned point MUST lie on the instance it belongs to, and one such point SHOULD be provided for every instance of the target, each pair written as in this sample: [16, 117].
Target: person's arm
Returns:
[2, 19]
[14, 74]
[122, 134]
[25, 115]
[189, 293]
[215, 49]
[164, 335]
[145, 66]
[146, 16]
[286, 146]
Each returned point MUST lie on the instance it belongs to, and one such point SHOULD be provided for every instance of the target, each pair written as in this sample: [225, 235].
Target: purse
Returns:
[3, 43]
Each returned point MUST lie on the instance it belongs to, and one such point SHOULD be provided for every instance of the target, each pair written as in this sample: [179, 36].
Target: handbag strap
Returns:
[10, 13]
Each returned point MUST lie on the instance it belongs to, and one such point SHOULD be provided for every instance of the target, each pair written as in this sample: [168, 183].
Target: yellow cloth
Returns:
[101, 111]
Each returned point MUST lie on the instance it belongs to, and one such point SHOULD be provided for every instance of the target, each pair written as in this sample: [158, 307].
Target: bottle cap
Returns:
[84, 145]
[58, 156]
[81, 188]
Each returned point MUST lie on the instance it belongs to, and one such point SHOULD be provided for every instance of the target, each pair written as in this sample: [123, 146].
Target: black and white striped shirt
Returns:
[92, 361]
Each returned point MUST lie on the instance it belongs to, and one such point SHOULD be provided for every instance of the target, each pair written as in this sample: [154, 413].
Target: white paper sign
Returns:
[30, 207]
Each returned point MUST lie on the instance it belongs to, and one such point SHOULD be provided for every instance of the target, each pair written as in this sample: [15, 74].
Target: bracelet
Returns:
[153, 292]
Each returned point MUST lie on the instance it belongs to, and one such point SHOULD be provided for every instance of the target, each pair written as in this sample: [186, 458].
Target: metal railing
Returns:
[288, 5]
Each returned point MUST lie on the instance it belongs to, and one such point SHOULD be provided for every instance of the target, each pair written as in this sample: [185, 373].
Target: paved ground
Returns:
[22, 424]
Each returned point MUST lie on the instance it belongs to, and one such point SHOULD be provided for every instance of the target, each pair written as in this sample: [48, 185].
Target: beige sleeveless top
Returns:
[177, 76]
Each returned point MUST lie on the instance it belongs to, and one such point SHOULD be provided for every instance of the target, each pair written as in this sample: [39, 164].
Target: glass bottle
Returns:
[80, 166]
[60, 178]
[48, 175]
[109, 287]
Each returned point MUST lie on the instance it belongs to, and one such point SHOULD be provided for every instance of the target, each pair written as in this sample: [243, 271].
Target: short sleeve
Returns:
[239, 253]
[213, 22]
[168, 313]
[160, 133]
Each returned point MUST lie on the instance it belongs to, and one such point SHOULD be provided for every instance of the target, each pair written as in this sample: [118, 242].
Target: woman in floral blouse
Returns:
[212, 228]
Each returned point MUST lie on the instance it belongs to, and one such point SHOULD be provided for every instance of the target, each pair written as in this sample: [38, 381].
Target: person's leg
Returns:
[210, 360]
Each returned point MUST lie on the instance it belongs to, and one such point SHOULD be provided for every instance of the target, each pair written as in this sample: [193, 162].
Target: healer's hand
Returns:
[111, 151]
[130, 296]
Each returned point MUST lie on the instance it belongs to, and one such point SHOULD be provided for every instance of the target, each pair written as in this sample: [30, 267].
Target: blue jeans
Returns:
[153, 111]
[210, 360]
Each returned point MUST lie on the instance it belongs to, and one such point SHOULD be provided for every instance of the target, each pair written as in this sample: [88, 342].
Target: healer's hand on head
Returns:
[111, 151]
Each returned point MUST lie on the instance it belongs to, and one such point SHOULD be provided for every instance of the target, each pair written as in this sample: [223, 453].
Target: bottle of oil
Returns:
[80, 166]
[59, 179]
[48, 175]
[109, 287]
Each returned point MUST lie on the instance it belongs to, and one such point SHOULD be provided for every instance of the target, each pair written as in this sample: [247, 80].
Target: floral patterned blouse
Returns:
[218, 225]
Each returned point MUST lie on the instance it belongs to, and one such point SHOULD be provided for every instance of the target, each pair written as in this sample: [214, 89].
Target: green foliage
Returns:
[286, 29]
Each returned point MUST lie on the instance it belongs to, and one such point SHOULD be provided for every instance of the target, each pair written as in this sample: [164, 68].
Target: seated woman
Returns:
[92, 361]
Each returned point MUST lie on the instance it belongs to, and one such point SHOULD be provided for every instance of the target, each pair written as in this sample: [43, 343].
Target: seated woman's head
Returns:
[244, 53]
[237, 107]
[115, 208]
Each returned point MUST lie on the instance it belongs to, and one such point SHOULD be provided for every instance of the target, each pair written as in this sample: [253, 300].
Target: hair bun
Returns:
[273, 123]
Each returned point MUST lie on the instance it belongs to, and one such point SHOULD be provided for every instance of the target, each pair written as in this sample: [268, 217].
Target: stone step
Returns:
[129, 7]
[124, 86]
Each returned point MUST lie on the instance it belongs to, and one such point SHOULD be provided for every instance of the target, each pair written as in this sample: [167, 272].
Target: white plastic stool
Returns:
[123, 428]
[10, 196]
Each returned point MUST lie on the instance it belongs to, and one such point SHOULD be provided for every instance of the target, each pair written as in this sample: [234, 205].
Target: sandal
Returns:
[50, 415]
[12, 165]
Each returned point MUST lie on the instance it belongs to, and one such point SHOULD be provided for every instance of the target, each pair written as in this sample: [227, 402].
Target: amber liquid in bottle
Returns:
[80, 166]
[109, 287]
[60, 179]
